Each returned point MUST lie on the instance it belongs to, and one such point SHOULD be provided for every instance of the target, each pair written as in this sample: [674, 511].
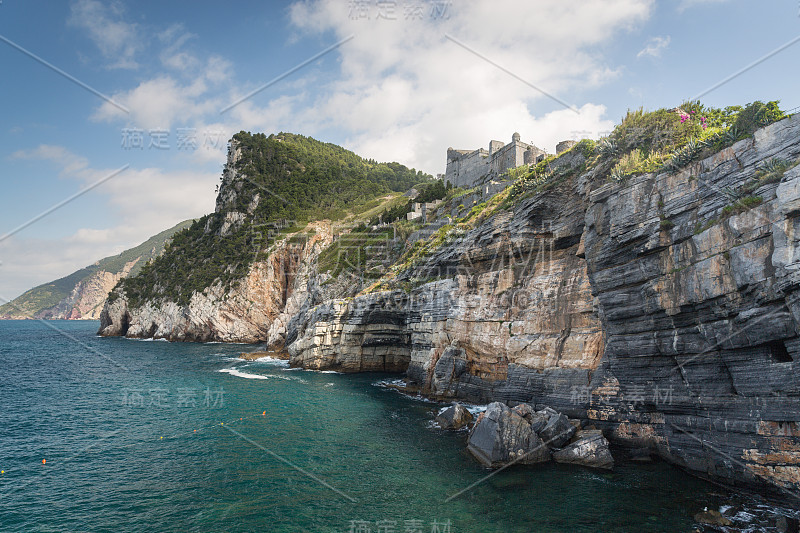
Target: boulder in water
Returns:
[454, 417]
[589, 448]
[558, 431]
[501, 436]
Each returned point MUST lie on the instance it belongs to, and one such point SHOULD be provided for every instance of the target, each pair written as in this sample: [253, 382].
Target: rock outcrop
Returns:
[454, 417]
[701, 313]
[589, 448]
[259, 310]
[501, 437]
[360, 335]
[664, 309]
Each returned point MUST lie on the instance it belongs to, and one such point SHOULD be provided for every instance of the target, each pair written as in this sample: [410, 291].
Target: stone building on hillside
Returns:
[468, 168]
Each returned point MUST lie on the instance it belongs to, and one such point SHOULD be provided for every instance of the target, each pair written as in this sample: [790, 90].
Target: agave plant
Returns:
[774, 165]
[732, 135]
[608, 147]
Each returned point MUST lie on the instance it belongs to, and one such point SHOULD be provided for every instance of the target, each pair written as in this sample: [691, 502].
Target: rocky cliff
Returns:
[82, 294]
[662, 308]
[258, 310]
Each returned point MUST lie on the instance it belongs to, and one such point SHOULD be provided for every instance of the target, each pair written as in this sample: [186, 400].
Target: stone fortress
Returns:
[471, 168]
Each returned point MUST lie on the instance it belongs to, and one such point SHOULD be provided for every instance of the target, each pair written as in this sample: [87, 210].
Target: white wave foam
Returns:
[267, 360]
[239, 374]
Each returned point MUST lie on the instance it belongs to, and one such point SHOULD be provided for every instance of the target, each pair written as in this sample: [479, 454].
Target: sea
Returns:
[112, 434]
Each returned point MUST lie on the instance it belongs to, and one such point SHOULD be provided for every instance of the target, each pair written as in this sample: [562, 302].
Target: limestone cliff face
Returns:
[701, 313]
[356, 335]
[664, 309]
[257, 310]
[661, 308]
[87, 298]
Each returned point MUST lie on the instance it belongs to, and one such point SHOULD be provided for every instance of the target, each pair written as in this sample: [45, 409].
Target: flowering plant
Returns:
[686, 117]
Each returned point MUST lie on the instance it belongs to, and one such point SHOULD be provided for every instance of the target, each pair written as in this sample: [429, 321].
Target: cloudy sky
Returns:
[136, 100]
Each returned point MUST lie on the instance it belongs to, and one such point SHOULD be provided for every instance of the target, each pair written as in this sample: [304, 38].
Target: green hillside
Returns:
[48, 295]
[282, 177]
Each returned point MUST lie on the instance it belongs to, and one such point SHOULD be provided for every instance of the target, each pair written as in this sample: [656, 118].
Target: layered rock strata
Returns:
[664, 309]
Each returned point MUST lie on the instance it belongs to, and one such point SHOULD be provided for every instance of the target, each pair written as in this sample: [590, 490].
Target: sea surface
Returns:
[110, 434]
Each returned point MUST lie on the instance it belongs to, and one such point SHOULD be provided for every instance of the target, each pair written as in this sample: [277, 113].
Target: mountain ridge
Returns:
[80, 295]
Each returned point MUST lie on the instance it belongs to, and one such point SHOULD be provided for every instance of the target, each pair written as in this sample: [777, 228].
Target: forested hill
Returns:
[300, 178]
[276, 182]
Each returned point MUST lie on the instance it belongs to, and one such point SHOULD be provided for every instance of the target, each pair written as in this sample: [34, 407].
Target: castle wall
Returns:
[470, 168]
[465, 170]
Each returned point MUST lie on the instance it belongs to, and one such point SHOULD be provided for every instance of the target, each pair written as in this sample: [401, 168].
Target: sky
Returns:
[115, 115]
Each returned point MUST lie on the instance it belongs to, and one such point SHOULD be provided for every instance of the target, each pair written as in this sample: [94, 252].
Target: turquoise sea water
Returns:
[156, 436]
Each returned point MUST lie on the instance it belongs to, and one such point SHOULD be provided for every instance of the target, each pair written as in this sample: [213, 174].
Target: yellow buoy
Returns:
[44, 461]
[264, 413]
[2, 471]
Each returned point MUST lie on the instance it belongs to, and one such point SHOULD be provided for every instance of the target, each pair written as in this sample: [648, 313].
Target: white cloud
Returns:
[403, 91]
[145, 201]
[117, 40]
[158, 103]
[172, 56]
[149, 198]
[654, 47]
[70, 164]
[406, 92]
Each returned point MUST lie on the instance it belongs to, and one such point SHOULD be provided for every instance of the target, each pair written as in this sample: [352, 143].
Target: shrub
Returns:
[653, 131]
[772, 172]
[757, 115]
[635, 162]
[587, 147]
[741, 205]
[726, 127]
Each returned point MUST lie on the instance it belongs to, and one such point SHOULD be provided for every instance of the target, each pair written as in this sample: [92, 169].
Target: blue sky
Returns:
[399, 88]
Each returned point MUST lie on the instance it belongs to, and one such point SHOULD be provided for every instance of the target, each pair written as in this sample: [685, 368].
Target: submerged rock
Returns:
[590, 448]
[501, 436]
[712, 518]
[454, 417]
[641, 455]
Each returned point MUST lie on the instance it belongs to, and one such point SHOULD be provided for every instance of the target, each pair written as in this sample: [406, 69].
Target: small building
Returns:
[420, 210]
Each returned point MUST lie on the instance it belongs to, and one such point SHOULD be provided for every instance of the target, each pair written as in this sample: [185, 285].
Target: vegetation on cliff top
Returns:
[279, 183]
[664, 140]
